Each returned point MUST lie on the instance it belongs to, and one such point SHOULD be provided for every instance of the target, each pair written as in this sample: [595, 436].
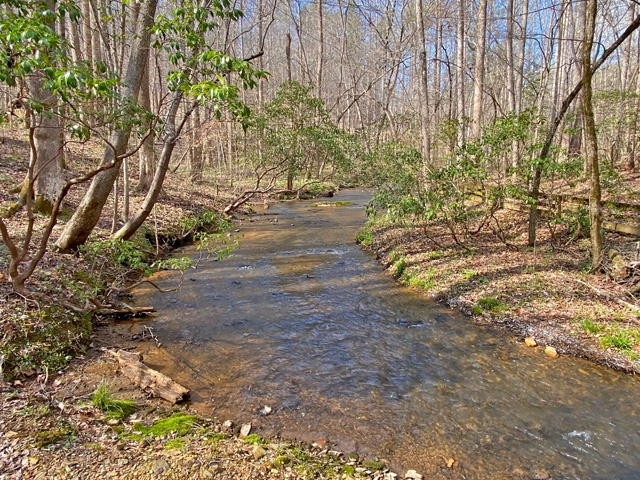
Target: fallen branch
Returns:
[609, 296]
[127, 310]
[148, 379]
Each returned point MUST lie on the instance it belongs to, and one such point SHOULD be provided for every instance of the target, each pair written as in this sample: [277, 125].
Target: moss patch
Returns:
[255, 439]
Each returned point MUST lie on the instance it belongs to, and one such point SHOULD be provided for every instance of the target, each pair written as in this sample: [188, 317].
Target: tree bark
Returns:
[595, 201]
[46, 157]
[423, 83]
[88, 213]
[146, 156]
[478, 72]
[460, 74]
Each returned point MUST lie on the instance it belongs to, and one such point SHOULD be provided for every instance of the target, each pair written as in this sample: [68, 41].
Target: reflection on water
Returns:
[301, 320]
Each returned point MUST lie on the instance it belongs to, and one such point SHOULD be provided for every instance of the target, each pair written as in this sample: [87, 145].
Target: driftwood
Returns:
[148, 379]
[129, 311]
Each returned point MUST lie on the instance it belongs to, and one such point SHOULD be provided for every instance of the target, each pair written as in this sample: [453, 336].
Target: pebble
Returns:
[227, 426]
[160, 466]
[450, 463]
[413, 475]
[245, 430]
[258, 452]
[530, 342]
[551, 352]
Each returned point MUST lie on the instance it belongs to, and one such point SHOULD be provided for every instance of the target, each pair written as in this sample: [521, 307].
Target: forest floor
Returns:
[545, 294]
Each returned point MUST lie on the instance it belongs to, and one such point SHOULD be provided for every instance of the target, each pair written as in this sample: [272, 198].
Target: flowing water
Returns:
[303, 321]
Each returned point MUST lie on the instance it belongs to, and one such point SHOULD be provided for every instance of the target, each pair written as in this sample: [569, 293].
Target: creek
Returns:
[302, 320]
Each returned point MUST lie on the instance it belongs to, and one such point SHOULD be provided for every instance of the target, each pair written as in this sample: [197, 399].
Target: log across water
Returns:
[301, 320]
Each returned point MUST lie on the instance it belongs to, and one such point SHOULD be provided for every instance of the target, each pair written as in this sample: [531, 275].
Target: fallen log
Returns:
[148, 379]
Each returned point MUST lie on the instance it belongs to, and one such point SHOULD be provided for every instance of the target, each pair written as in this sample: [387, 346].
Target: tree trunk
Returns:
[320, 48]
[86, 32]
[260, 46]
[88, 213]
[76, 52]
[519, 70]
[146, 156]
[196, 166]
[553, 128]
[522, 53]
[511, 77]
[478, 72]
[460, 73]
[595, 207]
[423, 83]
[288, 55]
[46, 157]
[96, 47]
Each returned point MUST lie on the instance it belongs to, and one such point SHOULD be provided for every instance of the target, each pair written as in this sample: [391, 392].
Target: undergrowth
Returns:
[103, 400]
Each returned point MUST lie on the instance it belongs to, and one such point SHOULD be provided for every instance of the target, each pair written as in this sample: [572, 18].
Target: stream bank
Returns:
[54, 431]
[546, 293]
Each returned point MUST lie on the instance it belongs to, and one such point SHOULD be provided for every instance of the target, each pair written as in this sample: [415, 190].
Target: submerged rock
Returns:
[266, 410]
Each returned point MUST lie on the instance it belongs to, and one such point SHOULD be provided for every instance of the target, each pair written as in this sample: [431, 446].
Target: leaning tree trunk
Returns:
[595, 207]
[169, 143]
[88, 212]
[534, 191]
